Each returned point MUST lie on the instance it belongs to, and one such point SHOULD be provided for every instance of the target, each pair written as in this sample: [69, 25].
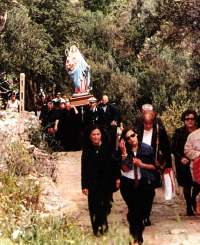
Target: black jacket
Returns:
[107, 116]
[146, 154]
[183, 173]
[164, 147]
[98, 169]
[48, 117]
[92, 117]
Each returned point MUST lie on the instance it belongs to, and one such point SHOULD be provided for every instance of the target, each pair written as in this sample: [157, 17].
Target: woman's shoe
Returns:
[194, 205]
[147, 222]
[136, 242]
[190, 212]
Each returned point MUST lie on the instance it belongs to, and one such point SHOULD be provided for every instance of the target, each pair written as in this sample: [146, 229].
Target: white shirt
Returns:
[104, 108]
[61, 100]
[147, 136]
[13, 105]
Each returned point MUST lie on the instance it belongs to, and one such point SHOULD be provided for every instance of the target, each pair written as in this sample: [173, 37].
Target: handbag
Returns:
[196, 170]
[168, 184]
[151, 177]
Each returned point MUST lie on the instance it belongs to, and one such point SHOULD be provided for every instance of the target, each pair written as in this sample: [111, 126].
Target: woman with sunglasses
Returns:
[138, 176]
[100, 175]
[183, 173]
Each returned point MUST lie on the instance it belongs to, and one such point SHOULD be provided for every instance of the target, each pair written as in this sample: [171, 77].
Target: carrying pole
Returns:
[22, 93]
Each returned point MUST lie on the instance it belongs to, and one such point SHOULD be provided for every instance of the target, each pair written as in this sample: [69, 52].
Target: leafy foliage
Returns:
[181, 102]
[148, 48]
[95, 5]
[19, 161]
[19, 197]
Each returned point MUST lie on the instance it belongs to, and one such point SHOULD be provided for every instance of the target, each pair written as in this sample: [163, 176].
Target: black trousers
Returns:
[187, 191]
[148, 199]
[99, 205]
[195, 192]
[139, 202]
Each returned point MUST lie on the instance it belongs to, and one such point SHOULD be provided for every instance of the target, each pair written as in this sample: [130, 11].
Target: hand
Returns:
[167, 170]
[122, 147]
[121, 126]
[137, 162]
[113, 123]
[117, 183]
[184, 161]
[157, 164]
[125, 168]
[55, 129]
[75, 109]
[50, 131]
[85, 191]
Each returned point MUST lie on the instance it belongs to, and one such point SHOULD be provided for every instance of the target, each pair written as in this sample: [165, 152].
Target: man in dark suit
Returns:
[109, 119]
[91, 113]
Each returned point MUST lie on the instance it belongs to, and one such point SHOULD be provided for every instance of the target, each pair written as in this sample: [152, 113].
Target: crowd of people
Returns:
[66, 123]
[129, 159]
[135, 166]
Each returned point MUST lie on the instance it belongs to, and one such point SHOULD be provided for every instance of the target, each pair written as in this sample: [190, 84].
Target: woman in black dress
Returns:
[183, 174]
[99, 176]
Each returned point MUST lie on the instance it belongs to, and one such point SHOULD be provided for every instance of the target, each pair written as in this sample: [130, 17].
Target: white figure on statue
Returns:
[78, 70]
[3, 19]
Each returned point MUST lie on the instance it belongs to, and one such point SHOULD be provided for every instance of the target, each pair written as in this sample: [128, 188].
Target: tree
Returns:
[95, 5]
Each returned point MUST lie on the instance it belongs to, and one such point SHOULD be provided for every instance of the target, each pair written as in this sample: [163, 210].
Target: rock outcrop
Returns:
[16, 131]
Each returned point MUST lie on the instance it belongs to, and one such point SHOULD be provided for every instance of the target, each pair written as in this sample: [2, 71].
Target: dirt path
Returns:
[170, 226]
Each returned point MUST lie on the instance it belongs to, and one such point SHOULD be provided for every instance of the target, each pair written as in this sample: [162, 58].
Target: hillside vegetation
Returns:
[139, 50]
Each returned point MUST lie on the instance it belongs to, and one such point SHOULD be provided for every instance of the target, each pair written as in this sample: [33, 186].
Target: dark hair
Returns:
[88, 131]
[124, 132]
[188, 112]
[123, 136]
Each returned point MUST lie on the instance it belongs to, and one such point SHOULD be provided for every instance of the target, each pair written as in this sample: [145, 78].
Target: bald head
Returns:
[105, 99]
[147, 107]
[148, 119]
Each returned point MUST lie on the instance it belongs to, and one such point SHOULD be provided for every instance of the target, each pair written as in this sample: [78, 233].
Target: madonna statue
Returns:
[78, 70]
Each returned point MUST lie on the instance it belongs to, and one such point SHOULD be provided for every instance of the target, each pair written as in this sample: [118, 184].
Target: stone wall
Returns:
[16, 129]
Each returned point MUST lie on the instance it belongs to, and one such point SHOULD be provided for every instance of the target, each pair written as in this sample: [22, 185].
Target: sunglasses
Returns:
[189, 118]
[131, 136]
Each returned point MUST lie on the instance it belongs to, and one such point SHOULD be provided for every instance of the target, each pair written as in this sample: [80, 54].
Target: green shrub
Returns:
[62, 230]
[182, 101]
[19, 161]
[19, 197]
[35, 136]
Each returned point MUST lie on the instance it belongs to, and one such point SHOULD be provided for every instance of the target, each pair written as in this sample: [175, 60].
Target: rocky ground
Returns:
[170, 225]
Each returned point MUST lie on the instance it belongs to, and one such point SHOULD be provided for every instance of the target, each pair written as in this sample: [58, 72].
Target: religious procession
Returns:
[115, 156]
[132, 159]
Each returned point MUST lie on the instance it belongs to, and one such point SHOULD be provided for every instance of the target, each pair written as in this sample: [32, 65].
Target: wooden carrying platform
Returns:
[80, 100]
